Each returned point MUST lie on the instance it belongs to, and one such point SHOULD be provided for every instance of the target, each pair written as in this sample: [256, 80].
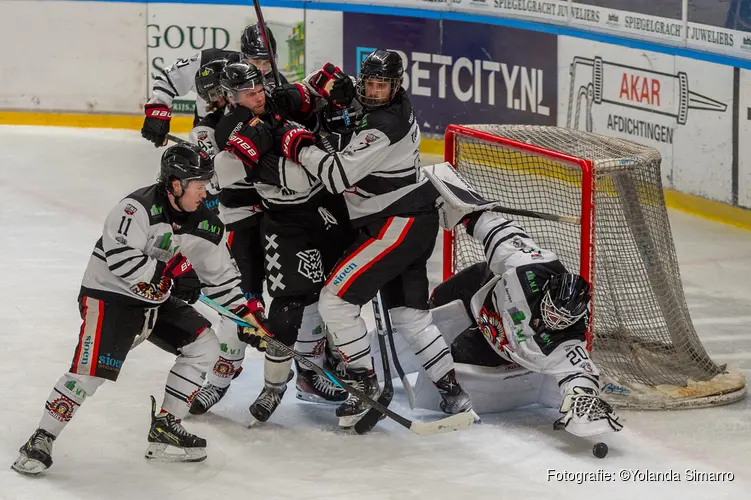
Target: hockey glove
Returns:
[156, 124]
[290, 139]
[187, 287]
[253, 313]
[250, 142]
[293, 99]
[326, 80]
[342, 92]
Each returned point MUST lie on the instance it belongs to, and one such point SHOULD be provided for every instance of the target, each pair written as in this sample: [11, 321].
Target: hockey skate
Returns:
[35, 454]
[208, 396]
[314, 388]
[454, 399]
[168, 434]
[353, 409]
[586, 414]
[265, 404]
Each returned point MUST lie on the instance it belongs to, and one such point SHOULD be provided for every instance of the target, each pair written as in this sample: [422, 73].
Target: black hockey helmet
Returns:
[240, 76]
[251, 43]
[383, 66]
[185, 162]
[208, 84]
[565, 300]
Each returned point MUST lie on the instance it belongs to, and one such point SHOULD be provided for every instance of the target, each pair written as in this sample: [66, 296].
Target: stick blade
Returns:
[373, 416]
[456, 422]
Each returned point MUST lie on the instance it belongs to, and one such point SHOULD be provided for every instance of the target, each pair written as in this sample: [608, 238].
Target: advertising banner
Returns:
[460, 72]
[179, 31]
[681, 107]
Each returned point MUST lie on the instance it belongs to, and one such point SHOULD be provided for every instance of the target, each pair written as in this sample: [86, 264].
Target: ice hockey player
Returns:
[239, 205]
[178, 79]
[240, 210]
[392, 205]
[134, 288]
[530, 311]
[304, 228]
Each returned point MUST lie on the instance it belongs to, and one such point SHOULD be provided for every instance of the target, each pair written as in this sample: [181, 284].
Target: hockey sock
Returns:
[230, 358]
[184, 379]
[276, 368]
[311, 338]
[65, 398]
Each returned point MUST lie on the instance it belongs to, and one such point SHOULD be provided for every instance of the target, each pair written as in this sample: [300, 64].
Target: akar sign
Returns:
[461, 72]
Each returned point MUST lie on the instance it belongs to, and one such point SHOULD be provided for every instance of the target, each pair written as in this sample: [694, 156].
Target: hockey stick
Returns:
[451, 423]
[371, 418]
[176, 139]
[264, 34]
[395, 358]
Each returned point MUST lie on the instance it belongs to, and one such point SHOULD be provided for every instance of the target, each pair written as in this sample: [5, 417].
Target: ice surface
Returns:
[58, 185]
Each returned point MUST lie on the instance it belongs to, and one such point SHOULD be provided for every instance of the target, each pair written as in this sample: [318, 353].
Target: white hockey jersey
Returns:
[378, 171]
[507, 307]
[143, 230]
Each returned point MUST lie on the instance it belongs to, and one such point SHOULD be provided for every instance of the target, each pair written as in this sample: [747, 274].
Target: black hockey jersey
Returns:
[142, 230]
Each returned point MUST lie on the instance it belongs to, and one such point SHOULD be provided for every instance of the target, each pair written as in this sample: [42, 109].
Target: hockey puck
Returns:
[600, 450]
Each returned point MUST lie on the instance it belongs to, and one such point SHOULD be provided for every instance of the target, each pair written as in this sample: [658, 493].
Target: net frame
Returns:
[707, 385]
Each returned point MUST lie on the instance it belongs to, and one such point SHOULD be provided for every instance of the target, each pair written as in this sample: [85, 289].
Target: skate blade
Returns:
[313, 398]
[161, 452]
[28, 466]
[350, 420]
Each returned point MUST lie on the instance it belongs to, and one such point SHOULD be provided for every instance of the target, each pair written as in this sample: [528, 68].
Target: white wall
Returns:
[72, 56]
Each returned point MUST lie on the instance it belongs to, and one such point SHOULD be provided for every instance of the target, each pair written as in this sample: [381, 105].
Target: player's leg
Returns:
[184, 332]
[406, 298]
[330, 233]
[106, 335]
[293, 274]
[469, 347]
[247, 250]
[378, 255]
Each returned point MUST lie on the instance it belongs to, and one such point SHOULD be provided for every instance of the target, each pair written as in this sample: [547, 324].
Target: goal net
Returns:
[641, 335]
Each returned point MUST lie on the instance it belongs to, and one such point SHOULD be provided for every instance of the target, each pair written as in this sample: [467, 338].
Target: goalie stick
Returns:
[447, 424]
[459, 199]
[371, 418]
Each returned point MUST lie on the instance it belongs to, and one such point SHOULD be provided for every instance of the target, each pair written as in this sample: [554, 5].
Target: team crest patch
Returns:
[202, 135]
[61, 409]
[130, 209]
[491, 326]
[121, 240]
[310, 265]
[224, 368]
[371, 138]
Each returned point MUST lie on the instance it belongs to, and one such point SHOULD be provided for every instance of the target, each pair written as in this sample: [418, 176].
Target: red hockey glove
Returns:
[156, 124]
[290, 139]
[253, 313]
[250, 142]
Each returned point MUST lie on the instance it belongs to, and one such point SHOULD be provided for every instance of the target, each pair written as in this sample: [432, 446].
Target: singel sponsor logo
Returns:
[86, 350]
[109, 363]
[438, 75]
[211, 228]
[345, 272]
[175, 37]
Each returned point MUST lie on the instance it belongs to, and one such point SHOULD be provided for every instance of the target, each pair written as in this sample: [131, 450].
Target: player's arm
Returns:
[502, 240]
[173, 81]
[339, 171]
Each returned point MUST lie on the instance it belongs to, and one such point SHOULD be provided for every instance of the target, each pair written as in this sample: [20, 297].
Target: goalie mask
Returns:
[565, 301]
[380, 78]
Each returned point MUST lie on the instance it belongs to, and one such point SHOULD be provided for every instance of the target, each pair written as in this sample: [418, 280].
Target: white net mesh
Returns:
[642, 336]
